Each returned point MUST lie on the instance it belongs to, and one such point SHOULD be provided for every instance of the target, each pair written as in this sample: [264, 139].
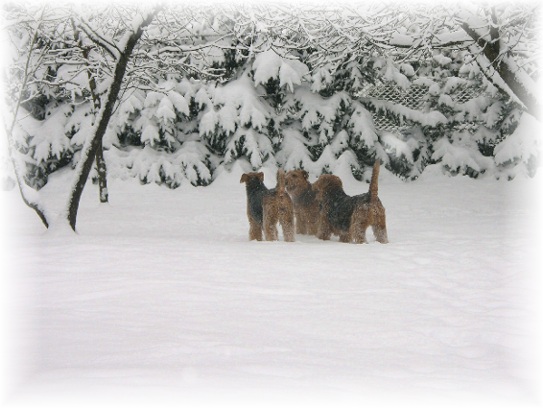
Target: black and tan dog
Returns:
[346, 216]
[266, 208]
[306, 207]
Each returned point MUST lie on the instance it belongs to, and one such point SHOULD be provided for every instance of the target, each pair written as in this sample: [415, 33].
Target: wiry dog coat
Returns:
[266, 208]
[346, 216]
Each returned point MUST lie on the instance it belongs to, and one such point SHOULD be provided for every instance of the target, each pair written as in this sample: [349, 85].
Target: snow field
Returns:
[160, 299]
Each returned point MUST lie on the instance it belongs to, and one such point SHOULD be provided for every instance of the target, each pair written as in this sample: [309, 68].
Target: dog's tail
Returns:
[374, 179]
[280, 188]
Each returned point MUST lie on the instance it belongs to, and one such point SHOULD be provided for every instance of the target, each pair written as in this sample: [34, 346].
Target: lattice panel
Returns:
[386, 122]
[415, 97]
[465, 94]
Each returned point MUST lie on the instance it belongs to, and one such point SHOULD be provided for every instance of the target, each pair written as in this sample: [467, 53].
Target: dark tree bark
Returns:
[101, 169]
[497, 58]
[101, 166]
[103, 119]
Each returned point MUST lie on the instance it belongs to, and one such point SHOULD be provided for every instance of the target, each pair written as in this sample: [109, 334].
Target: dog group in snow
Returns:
[321, 208]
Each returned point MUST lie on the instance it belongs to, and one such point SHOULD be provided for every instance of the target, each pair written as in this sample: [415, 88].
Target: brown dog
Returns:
[347, 216]
[266, 208]
[306, 207]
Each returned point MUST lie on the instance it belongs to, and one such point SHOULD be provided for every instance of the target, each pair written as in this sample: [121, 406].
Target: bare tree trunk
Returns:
[34, 204]
[502, 65]
[89, 153]
[29, 202]
[101, 169]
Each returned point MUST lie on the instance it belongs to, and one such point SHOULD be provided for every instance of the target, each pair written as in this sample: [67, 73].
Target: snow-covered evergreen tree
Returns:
[268, 89]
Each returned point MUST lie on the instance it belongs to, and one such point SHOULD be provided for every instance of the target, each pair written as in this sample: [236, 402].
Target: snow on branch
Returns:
[497, 53]
[96, 37]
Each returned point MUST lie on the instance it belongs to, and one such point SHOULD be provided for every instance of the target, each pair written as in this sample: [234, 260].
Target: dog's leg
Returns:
[379, 225]
[360, 237]
[380, 230]
[270, 223]
[313, 213]
[300, 222]
[288, 233]
[312, 227]
[286, 219]
[271, 233]
[324, 229]
[359, 225]
[380, 234]
[255, 230]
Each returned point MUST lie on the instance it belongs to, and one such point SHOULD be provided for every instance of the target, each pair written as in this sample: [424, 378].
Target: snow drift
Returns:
[160, 299]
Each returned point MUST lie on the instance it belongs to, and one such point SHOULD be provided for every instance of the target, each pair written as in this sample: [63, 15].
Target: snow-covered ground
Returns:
[160, 299]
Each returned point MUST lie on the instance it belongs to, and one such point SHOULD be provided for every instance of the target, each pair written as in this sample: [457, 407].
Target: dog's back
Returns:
[337, 206]
[341, 212]
[349, 216]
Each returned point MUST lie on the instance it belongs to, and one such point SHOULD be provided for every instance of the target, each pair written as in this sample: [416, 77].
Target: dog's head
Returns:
[296, 182]
[248, 178]
[326, 186]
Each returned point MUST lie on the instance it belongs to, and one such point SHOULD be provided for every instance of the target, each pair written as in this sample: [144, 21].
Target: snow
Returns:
[317, 110]
[452, 37]
[362, 125]
[293, 153]
[401, 40]
[269, 65]
[460, 156]
[396, 147]
[165, 110]
[442, 60]
[160, 300]
[391, 73]
[46, 145]
[147, 164]
[208, 122]
[453, 83]
[431, 118]
[150, 133]
[266, 66]
[238, 102]
[523, 144]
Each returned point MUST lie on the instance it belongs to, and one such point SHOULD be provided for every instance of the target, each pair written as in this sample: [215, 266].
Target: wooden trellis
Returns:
[414, 97]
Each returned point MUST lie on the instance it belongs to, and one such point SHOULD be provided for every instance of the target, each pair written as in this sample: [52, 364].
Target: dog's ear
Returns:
[336, 182]
[261, 176]
[243, 178]
[306, 174]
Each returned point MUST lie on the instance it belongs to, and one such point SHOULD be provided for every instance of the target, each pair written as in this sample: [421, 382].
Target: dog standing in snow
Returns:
[306, 207]
[346, 216]
[266, 208]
